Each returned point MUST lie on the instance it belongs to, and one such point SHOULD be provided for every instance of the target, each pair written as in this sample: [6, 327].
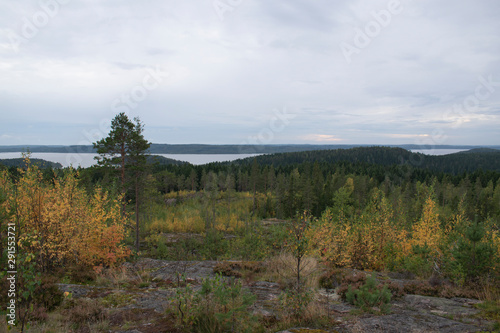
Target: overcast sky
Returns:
[252, 71]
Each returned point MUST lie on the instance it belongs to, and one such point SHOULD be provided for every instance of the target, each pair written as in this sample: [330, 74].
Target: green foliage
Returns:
[249, 244]
[214, 245]
[298, 243]
[124, 149]
[490, 310]
[370, 295]
[419, 262]
[293, 303]
[474, 257]
[220, 306]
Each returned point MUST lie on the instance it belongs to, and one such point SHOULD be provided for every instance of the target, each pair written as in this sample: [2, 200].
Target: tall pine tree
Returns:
[124, 150]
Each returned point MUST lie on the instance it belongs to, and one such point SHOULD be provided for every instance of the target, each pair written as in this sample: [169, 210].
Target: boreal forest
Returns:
[369, 224]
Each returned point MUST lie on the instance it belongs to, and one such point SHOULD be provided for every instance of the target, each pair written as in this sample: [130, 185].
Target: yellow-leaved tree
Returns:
[427, 231]
[61, 224]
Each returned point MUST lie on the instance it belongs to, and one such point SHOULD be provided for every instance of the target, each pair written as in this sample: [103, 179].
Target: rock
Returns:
[329, 296]
[442, 306]
[303, 330]
[408, 321]
[342, 308]
[157, 300]
[265, 314]
[265, 291]
[76, 290]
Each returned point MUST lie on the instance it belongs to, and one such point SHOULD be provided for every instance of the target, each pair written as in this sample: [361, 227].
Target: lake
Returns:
[437, 151]
[86, 160]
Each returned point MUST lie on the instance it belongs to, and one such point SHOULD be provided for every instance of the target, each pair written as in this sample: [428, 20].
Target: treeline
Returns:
[284, 184]
[468, 161]
[21, 163]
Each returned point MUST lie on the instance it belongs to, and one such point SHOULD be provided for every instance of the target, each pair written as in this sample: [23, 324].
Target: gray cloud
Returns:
[227, 77]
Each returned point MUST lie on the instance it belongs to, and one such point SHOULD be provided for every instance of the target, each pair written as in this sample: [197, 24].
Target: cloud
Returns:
[407, 136]
[227, 76]
[320, 138]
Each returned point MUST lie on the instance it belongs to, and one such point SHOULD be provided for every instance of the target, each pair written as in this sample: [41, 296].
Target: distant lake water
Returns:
[87, 160]
[437, 151]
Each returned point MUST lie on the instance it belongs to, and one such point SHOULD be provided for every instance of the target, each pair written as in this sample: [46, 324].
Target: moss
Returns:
[238, 268]
[116, 300]
[490, 310]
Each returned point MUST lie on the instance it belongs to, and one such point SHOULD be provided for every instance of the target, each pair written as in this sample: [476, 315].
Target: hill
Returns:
[157, 148]
[161, 160]
[19, 162]
[469, 161]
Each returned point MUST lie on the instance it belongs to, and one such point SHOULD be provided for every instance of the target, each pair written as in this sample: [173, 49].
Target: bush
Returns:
[283, 269]
[86, 311]
[220, 306]
[473, 256]
[331, 279]
[81, 274]
[237, 269]
[355, 281]
[47, 295]
[293, 303]
[370, 295]
[214, 245]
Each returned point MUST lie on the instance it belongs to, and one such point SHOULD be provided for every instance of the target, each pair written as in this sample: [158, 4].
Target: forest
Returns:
[368, 209]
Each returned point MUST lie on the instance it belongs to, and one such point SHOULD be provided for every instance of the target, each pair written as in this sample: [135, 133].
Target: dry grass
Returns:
[113, 277]
[488, 290]
[283, 269]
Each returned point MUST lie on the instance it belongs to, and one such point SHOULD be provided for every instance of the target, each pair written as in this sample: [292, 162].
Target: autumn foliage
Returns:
[373, 239]
[61, 224]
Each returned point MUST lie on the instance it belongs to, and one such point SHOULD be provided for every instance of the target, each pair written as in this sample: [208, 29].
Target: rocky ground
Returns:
[142, 308]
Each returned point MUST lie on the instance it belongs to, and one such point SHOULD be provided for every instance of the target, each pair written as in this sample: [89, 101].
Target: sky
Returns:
[251, 71]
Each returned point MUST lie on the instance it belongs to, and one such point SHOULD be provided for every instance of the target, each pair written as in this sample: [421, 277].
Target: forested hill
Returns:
[20, 162]
[218, 149]
[161, 160]
[468, 161]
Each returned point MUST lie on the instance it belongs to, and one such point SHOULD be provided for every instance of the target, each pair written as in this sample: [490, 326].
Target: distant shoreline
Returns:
[227, 149]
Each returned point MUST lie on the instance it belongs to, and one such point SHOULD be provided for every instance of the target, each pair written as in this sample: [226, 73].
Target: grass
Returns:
[282, 268]
[190, 213]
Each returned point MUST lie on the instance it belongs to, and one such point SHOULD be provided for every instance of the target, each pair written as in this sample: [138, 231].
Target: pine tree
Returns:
[125, 149]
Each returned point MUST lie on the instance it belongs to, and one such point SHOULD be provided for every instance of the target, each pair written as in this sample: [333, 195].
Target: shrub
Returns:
[47, 295]
[474, 256]
[355, 281]
[331, 279]
[81, 274]
[283, 269]
[370, 295]
[220, 306]
[86, 311]
[396, 289]
[293, 302]
[214, 245]
[420, 288]
[237, 268]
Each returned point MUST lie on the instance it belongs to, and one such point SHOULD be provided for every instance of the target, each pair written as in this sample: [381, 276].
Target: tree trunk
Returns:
[137, 245]
[122, 152]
